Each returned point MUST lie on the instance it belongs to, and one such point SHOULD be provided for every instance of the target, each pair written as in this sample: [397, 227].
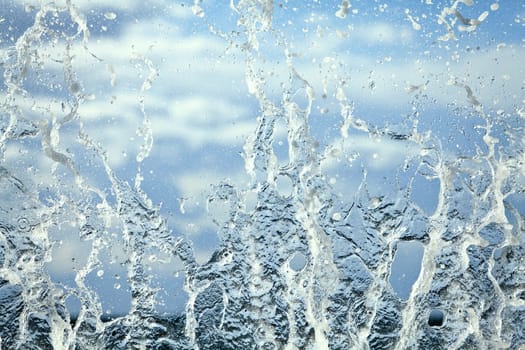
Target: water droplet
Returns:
[343, 9]
[483, 16]
[374, 203]
[197, 11]
[110, 15]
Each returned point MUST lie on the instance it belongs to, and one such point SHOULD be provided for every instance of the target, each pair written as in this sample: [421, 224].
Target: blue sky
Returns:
[388, 60]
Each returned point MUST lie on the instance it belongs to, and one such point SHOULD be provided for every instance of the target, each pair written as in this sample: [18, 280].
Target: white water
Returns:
[109, 111]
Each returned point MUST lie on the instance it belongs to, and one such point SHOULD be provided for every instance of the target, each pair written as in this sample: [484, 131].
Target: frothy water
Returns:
[351, 170]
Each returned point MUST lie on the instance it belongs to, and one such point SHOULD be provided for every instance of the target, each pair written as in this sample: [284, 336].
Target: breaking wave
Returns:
[308, 235]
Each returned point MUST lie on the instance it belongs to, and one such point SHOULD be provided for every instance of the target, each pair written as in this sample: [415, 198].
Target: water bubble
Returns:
[436, 318]
[74, 87]
[284, 185]
[305, 284]
[298, 261]
[23, 224]
[100, 273]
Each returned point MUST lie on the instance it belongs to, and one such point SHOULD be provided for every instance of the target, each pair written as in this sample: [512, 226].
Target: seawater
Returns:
[333, 191]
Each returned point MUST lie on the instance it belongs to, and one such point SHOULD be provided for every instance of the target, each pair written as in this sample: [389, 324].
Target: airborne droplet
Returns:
[110, 15]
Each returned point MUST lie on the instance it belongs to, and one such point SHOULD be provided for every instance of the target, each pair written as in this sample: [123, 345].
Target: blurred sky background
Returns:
[391, 59]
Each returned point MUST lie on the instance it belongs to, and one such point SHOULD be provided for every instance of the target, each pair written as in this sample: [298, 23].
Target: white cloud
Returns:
[381, 33]
[194, 99]
[66, 258]
[85, 5]
[200, 120]
[378, 153]
[391, 81]
[195, 183]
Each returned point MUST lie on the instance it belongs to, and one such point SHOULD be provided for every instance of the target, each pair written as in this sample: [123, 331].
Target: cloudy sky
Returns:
[166, 90]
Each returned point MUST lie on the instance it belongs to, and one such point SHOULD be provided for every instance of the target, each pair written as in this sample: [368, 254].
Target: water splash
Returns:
[308, 242]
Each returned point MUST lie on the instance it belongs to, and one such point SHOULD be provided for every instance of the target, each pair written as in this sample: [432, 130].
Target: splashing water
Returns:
[352, 165]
